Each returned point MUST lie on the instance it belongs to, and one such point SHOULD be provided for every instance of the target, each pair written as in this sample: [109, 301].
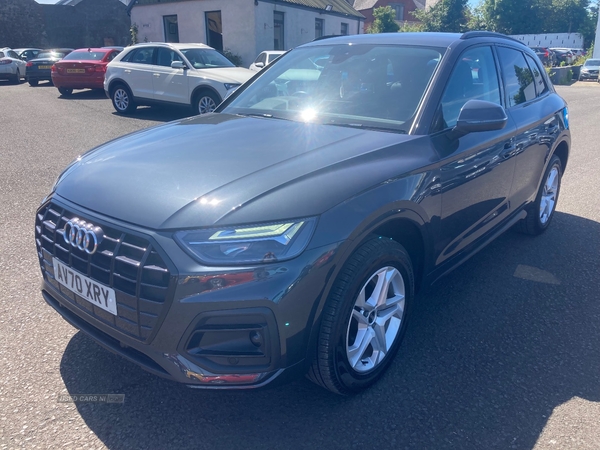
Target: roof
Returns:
[361, 5]
[177, 45]
[337, 6]
[418, 39]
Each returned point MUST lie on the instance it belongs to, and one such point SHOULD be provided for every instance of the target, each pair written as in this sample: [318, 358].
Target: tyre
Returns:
[541, 211]
[364, 318]
[16, 79]
[33, 83]
[205, 102]
[65, 91]
[122, 99]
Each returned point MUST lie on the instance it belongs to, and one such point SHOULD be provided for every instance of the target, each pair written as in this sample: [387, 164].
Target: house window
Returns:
[278, 31]
[399, 10]
[214, 30]
[319, 25]
[344, 29]
[171, 28]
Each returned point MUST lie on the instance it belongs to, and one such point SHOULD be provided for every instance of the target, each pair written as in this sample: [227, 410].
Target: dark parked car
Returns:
[27, 54]
[546, 55]
[562, 55]
[82, 69]
[39, 68]
[290, 232]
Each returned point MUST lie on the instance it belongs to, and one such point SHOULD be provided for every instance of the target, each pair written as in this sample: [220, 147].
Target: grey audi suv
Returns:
[290, 232]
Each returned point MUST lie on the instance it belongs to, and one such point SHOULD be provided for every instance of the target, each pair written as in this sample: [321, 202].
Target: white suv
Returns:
[183, 74]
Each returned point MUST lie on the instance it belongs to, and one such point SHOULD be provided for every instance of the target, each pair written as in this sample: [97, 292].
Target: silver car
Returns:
[589, 70]
[11, 66]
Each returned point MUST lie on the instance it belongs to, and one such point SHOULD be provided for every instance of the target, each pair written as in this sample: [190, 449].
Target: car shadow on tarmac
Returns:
[490, 351]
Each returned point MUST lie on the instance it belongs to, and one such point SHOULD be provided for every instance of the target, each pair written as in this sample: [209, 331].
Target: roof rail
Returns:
[476, 34]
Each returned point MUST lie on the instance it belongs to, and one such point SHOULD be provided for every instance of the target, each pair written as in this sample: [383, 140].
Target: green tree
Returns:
[514, 16]
[445, 15]
[385, 21]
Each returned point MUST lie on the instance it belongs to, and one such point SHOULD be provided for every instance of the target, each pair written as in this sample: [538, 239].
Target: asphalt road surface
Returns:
[502, 353]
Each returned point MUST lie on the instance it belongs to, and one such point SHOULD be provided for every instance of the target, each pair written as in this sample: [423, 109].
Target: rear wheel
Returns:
[17, 77]
[205, 102]
[364, 318]
[122, 99]
[33, 83]
[541, 211]
[65, 91]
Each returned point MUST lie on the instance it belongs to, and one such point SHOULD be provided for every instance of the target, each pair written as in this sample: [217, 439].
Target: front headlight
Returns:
[248, 244]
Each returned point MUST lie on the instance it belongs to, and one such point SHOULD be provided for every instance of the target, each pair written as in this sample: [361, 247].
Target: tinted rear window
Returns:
[88, 56]
[51, 55]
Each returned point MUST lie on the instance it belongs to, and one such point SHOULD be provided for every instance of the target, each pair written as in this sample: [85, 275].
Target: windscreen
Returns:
[201, 58]
[592, 62]
[375, 86]
[87, 56]
[50, 55]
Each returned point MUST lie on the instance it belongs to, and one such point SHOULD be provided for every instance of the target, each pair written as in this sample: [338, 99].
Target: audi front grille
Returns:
[123, 261]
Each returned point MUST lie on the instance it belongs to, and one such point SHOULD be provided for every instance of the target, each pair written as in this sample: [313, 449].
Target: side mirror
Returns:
[479, 115]
[178, 65]
[260, 65]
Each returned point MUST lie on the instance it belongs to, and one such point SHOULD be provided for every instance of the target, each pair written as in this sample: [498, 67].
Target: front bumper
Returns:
[233, 328]
[588, 75]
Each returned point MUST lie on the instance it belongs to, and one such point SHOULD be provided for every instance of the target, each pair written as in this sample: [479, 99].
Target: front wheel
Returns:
[364, 318]
[541, 211]
[205, 102]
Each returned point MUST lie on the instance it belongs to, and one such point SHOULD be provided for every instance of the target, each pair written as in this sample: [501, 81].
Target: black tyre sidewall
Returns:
[350, 379]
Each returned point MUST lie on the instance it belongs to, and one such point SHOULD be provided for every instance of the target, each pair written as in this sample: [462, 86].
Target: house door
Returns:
[214, 30]
[171, 28]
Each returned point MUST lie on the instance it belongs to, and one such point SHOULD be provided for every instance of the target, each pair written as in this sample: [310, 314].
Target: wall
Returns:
[21, 24]
[91, 23]
[552, 40]
[237, 17]
[299, 25]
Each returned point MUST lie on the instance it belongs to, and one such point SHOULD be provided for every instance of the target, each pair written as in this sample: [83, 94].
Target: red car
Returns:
[82, 69]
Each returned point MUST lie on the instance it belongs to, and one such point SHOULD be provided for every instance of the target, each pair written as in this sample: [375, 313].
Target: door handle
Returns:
[157, 75]
[532, 136]
[127, 71]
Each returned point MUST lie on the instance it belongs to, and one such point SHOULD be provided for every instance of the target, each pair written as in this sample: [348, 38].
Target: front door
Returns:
[476, 174]
[170, 85]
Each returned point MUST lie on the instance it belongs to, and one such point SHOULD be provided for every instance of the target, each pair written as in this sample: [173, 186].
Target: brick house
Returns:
[403, 8]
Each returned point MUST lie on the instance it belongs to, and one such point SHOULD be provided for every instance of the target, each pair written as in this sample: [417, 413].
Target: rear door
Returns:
[136, 68]
[476, 172]
[170, 85]
[531, 109]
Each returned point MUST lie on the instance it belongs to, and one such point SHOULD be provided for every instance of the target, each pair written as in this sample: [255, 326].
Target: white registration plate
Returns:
[95, 293]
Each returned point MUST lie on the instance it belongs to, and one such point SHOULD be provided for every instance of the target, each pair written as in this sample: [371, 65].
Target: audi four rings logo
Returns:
[85, 236]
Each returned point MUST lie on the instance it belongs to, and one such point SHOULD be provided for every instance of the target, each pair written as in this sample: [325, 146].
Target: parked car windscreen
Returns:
[88, 56]
[376, 86]
[201, 58]
[50, 55]
[2, 55]
[592, 62]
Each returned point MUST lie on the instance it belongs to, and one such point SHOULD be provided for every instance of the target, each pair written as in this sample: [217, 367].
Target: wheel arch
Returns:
[204, 87]
[116, 82]
[562, 151]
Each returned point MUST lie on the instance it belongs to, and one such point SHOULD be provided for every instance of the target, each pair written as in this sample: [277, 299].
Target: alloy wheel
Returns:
[376, 319]
[206, 104]
[548, 200]
[121, 99]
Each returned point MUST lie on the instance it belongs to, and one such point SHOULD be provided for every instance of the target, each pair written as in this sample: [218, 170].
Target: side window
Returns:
[166, 56]
[262, 58]
[540, 84]
[13, 55]
[474, 78]
[141, 56]
[520, 87]
[111, 56]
